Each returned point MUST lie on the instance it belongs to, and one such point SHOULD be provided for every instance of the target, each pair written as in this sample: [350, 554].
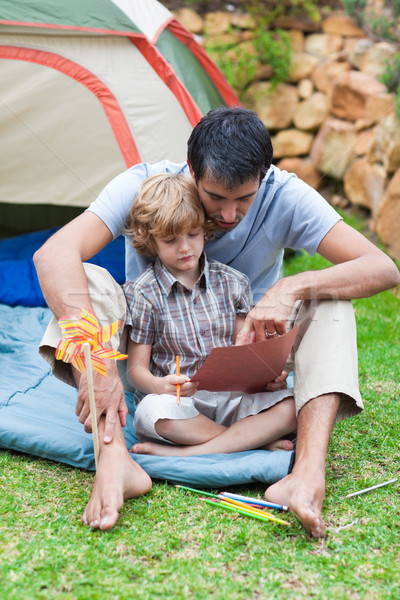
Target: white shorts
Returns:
[224, 408]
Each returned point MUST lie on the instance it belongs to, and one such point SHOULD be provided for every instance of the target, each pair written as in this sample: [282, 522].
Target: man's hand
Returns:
[109, 398]
[167, 385]
[270, 315]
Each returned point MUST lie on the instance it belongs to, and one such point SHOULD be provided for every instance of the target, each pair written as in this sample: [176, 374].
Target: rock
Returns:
[358, 52]
[298, 23]
[333, 149]
[296, 40]
[274, 106]
[350, 92]
[379, 106]
[217, 22]
[311, 113]
[303, 169]
[325, 74]
[291, 142]
[322, 44]
[263, 72]
[385, 148]
[364, 142]
[364, 184]
[302, 66]
[389, 217]
[243, 21]
[374, 60]
[190, 19]
[305, 88]
[343, 25]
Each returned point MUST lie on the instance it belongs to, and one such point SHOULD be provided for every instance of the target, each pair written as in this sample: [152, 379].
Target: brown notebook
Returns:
[245, 368]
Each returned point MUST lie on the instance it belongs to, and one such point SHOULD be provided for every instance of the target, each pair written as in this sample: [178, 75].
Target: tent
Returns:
[88, 88]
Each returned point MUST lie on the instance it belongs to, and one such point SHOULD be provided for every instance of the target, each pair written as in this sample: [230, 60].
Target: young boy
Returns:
[184, 304]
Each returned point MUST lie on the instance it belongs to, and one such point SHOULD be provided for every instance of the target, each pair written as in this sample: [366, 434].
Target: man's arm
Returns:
[359, 270]
[59, 265]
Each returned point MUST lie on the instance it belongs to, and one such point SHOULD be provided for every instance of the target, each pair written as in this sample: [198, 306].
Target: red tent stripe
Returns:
[167, 74]
[208, 65]
[108, 101]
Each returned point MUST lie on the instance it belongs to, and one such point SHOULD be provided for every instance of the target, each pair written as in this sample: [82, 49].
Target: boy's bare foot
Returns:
[174, 450]
[117, 478]
[280, 445]
[159, 449]
[304, 495]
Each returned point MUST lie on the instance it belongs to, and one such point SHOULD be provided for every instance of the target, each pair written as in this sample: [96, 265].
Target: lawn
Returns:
[170, 545]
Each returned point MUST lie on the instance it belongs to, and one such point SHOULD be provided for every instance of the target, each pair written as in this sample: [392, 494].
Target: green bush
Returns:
[391, 78]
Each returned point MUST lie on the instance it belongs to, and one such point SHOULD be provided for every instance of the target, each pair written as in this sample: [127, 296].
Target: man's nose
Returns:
[228, 212]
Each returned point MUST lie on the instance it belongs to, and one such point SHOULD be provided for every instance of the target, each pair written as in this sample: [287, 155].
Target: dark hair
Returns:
[232, 145]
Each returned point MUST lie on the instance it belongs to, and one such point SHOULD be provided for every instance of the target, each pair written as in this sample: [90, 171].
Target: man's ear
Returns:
[191, 171]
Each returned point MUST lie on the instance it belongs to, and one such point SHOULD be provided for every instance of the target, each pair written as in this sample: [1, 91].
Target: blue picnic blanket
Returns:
[37, 413]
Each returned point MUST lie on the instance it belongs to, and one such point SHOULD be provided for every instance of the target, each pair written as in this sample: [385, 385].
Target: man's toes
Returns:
[108, 519]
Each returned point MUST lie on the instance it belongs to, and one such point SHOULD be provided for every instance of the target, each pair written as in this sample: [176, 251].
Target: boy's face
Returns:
[224, 206]
[181, 253]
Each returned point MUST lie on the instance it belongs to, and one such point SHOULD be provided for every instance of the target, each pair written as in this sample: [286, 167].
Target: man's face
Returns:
[224, 206]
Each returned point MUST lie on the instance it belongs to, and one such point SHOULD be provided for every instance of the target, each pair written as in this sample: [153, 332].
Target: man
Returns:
[259, 210]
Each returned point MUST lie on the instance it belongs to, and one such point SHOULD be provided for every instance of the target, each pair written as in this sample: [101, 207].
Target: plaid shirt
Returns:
[175, 320]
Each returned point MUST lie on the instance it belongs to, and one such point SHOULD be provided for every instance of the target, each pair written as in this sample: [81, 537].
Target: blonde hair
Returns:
[166, 204]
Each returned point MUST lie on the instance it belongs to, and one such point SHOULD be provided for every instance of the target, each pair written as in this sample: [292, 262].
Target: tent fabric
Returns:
[37, 417]
[90, 87]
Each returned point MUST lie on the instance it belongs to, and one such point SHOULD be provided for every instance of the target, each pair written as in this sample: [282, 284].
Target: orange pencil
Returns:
[178, 387]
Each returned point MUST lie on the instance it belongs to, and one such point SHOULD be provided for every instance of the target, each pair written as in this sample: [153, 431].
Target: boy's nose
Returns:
[184, 245]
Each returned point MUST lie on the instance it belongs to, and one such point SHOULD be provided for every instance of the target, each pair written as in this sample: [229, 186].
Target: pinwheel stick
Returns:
[92, 403]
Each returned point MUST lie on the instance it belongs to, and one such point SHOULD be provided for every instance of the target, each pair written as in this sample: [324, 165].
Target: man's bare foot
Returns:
[117, 478]
[304, 497]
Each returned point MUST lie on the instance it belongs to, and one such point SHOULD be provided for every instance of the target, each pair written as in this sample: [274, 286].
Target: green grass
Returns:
[170, 545]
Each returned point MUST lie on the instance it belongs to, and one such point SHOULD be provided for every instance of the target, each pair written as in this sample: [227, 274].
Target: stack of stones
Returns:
[333, 118]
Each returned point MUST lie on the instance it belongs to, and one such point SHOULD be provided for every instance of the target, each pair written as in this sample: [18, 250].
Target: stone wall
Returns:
[333, 118]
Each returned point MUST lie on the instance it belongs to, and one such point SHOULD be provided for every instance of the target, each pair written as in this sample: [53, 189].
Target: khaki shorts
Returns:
[323, 358]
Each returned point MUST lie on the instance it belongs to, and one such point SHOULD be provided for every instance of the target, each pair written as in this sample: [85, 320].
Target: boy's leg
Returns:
[255, 431]
[159, 418]
[117, 478]
[189, 432]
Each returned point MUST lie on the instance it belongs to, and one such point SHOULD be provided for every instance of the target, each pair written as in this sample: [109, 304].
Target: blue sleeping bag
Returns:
[37, 410]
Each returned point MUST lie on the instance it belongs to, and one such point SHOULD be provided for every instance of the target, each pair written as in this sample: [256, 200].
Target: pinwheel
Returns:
[82, 346]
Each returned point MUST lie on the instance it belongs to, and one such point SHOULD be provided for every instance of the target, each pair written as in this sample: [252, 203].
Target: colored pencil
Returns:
[242, 511]
[373, 487]
[245, 506]
[256, 501]
[178, 387]
[182, 487]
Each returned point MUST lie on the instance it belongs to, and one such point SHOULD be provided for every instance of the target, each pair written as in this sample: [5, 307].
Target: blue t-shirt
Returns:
[286, 213]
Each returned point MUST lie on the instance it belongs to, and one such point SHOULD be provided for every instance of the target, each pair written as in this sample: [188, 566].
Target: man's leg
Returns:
[117, 479]
[326, 389]
[255, 431]
[303, 490]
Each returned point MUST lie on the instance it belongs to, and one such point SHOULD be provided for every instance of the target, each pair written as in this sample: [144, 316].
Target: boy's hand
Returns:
[279, 383]
[167, 385]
